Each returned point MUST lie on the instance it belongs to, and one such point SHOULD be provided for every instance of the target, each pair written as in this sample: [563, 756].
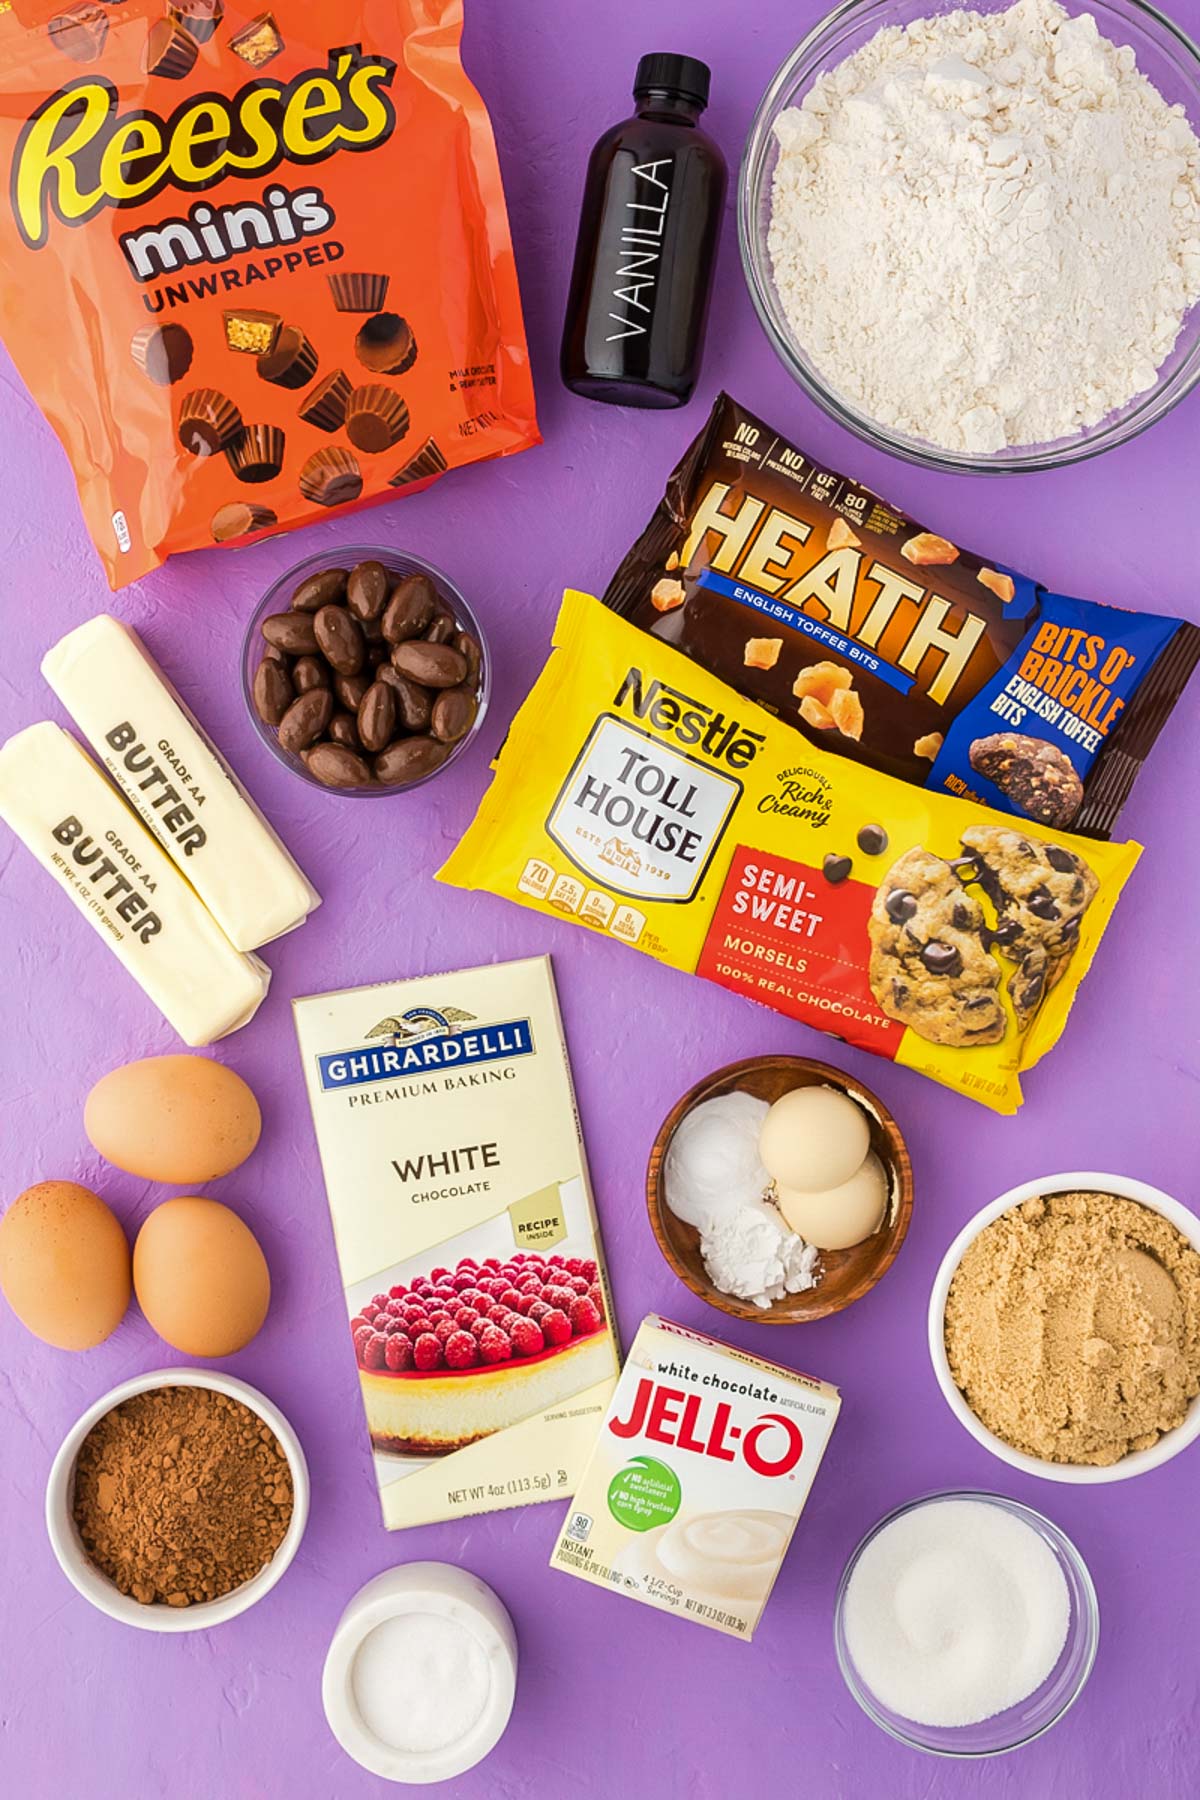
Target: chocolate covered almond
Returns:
[336, 765]
[410, 610]
[367, 589]
[319, 590]
[409, 759]
[431, 665]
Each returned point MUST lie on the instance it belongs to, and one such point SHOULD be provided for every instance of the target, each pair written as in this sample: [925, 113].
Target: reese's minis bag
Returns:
[255, 264]
[640, 796]
[872, 635]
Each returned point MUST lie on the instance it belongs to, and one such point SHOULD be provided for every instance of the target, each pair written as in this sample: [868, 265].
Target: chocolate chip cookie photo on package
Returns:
[316, 310]
[885, 641]
[643, 798]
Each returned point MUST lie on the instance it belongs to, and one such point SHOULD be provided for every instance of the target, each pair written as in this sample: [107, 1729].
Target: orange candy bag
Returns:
[255, 265]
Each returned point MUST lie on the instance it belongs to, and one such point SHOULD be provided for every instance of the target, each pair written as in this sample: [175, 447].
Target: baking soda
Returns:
[956, 1611]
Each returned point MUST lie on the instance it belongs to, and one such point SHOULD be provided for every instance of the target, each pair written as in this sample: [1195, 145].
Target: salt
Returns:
[955, 1611]
[421, 1682]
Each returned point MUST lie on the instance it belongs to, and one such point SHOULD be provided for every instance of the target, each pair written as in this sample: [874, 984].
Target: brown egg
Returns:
[200, 1276]
[64, 1265]
[173, 1118]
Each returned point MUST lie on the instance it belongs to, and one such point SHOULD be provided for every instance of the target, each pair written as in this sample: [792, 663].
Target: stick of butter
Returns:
[180, 787]
[84, 835]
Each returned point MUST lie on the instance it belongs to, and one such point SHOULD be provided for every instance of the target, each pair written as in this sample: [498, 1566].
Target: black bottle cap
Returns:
[662, 71]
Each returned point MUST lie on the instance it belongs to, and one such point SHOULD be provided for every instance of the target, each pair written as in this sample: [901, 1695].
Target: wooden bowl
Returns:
[847, 1274]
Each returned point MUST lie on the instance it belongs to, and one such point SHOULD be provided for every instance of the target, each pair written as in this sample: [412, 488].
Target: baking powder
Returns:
[985, 228]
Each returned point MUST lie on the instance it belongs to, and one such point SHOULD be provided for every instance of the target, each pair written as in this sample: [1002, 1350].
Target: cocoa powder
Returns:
[181, 1495]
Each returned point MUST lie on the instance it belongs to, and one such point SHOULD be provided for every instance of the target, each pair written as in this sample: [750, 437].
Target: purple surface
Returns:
[612, 1698]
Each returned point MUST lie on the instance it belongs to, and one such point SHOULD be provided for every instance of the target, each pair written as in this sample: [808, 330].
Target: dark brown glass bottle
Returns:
[647, 243]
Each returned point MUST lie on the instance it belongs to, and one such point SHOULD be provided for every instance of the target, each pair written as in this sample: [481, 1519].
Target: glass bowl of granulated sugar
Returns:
[973, 237]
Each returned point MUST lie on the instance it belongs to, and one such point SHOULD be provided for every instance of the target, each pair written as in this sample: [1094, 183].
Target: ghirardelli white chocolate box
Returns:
[698, 1478]
[477, 1303]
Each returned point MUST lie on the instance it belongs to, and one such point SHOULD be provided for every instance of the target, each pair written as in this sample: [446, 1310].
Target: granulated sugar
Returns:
[955, 1611]
[985, 228]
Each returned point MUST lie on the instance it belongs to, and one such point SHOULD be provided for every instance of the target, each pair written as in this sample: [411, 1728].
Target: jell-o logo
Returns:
[667, 1415]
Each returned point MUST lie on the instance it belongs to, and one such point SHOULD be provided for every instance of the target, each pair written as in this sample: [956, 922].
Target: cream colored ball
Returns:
[842, 1216]
[814, 1139]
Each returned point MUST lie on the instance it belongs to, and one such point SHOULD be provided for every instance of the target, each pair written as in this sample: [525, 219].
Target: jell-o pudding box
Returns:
[477, 1306]
[698, 1478]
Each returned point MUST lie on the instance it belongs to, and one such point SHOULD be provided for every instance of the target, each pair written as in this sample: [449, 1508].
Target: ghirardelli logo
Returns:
[424, 1040]
[690, 722]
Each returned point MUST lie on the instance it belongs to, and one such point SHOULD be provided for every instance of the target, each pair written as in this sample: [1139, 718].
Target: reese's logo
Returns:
[79, 152]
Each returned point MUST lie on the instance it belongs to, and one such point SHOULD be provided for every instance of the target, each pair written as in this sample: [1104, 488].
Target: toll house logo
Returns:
[643, 808]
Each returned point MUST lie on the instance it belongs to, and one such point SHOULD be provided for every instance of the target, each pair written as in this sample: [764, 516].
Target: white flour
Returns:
[985, 228]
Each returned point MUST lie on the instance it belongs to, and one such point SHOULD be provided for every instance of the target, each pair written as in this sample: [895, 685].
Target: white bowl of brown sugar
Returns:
[1064, 1327]
[178, 1500]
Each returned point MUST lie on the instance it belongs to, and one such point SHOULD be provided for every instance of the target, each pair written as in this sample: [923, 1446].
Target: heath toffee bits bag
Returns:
[887, 642]
[640, 796]
[255, 264]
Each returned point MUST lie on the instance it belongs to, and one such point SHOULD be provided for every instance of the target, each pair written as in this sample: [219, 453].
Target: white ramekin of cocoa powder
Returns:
[178, 1500]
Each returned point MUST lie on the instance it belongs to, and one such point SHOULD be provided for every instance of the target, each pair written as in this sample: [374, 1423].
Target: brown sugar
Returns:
[181, 1495]
[1073, 1327]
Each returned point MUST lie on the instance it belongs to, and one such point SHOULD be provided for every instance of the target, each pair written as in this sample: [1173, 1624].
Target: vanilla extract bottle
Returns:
[647, 244]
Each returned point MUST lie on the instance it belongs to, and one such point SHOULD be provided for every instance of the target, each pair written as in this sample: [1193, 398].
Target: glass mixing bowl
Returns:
[1040, 1710]
[1165, 54]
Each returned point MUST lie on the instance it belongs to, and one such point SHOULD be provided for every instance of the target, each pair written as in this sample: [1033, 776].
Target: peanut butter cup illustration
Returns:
[386, 345]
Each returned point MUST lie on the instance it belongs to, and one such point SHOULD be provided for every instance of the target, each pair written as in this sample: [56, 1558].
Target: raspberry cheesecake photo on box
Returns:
[451, 1353]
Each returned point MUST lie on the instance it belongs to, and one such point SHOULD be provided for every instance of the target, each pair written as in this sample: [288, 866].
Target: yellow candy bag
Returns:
[638, 794]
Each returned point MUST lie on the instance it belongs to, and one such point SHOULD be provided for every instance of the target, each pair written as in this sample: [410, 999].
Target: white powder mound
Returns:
[985, 228]
[713, 1166]
[751, 1254]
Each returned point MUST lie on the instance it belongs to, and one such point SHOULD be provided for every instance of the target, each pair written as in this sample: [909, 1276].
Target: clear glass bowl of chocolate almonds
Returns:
[365, 671]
